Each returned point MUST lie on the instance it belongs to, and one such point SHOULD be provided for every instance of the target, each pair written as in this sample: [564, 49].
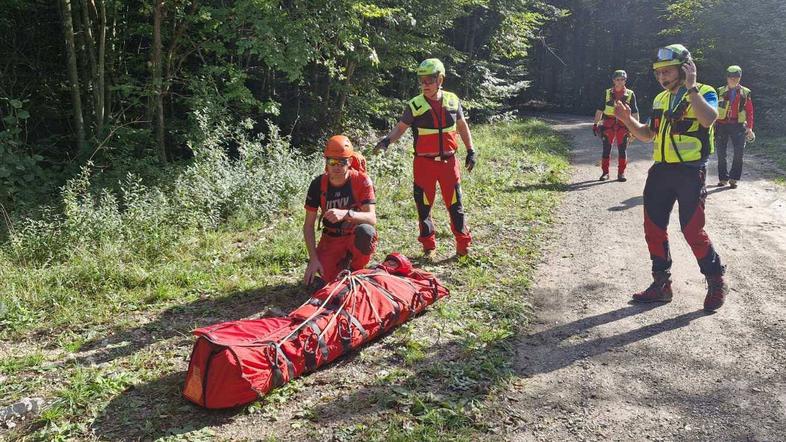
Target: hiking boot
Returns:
[461, 252]
[430, 254]
[621, 178]
[604, 177]
[722, 183]
[717, 289]
[733, 184]
[658, 291]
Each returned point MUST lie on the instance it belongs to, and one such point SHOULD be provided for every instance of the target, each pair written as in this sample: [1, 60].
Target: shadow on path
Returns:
[716, 189]
[628, 204]
[471, 377]
[547, 351]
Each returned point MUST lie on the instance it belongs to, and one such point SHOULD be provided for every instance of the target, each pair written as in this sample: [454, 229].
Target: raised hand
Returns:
[689, 68]
[622, 111]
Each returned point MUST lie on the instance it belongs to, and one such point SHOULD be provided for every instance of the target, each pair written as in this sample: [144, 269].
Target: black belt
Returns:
[443, 157]
[337, 232]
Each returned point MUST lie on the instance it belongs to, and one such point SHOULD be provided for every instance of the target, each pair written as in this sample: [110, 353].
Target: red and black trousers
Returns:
[666, 184]
[611, 134]
[428, 172]
[351, 251]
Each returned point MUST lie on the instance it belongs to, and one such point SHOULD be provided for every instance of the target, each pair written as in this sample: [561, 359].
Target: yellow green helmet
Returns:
[734, 71]
[619, 73]
[431, 66]
[671, 55]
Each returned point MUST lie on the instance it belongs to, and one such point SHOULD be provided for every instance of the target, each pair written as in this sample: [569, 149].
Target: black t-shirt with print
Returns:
[337, 197]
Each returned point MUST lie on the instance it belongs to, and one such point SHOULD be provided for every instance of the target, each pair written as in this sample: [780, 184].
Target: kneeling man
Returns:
[345, 198]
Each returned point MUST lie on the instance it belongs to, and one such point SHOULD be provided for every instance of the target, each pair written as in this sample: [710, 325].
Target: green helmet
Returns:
[431, 66]
[734, 71]
[671, 55]
[619, 73]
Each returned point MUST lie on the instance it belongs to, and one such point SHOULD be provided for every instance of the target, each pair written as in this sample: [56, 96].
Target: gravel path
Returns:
[599, 368]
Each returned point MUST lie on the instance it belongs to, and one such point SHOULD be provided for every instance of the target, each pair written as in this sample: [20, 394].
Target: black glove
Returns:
[470, 162]
[382, 144]
[595, 130]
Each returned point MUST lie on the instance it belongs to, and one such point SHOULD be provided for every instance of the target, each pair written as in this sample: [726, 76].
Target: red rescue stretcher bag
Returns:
[233, 363]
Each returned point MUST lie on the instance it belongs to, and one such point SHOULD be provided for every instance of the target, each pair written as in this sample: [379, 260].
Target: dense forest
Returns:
[132, 88]
[573, 64]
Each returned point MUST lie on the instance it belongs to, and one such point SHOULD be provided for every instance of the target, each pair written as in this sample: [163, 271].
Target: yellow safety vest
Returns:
[679, 136]
[435, 134]
[724, 104]
[608, 111]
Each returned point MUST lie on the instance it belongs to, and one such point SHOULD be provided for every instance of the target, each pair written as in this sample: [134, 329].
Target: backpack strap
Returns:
[323, 188]
[357, 180]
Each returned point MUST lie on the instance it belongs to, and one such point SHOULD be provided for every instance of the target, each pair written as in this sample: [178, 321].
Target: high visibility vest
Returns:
[435, 134]
[724, 104]
[679, 136]
[608, 111]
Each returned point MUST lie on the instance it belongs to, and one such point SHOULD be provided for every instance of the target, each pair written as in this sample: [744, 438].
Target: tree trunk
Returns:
[471, 48]
[73, 76]
[100, 83]
[157, 83]
[342, 99]
[177, 33]
[95, 61]
[111, 56]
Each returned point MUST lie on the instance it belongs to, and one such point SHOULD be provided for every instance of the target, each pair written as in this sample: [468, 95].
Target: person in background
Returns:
[437, 121]
[610, 129]
[735, 123]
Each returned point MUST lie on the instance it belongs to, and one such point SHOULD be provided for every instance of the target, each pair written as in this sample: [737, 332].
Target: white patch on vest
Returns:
[341, 202]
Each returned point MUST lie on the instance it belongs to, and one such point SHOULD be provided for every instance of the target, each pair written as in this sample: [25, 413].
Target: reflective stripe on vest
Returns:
[724, 104]
[434, 134]
[679, 136]
[609, 109]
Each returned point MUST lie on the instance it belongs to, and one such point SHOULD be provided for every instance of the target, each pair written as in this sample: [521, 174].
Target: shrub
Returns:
[264, 178]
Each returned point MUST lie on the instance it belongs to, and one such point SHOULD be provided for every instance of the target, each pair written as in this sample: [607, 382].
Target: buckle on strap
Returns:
[441, 158]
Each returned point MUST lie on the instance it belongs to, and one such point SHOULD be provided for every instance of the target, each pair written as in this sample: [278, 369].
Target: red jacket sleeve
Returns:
[749, 112]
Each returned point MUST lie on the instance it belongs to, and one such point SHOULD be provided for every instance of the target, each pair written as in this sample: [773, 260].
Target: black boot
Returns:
[658, 291]
[717, 289]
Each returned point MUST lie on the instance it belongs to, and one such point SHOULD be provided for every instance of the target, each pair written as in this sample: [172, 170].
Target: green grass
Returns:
[113, 327]
[774, 149]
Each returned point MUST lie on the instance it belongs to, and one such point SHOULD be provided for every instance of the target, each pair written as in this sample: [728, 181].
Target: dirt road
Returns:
[599, 368]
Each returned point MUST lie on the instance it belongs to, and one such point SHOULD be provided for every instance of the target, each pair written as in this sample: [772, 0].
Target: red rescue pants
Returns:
[428, 172]
[353, 251]
[667, 184]
[610, 135]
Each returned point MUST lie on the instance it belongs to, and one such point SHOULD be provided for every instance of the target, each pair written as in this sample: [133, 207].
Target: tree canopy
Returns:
[119, 83]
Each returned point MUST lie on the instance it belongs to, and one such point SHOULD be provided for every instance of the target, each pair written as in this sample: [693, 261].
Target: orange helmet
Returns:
[338, 146]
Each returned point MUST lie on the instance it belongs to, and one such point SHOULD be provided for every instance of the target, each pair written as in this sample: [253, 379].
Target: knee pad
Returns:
[364, 238]
[456, 211]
